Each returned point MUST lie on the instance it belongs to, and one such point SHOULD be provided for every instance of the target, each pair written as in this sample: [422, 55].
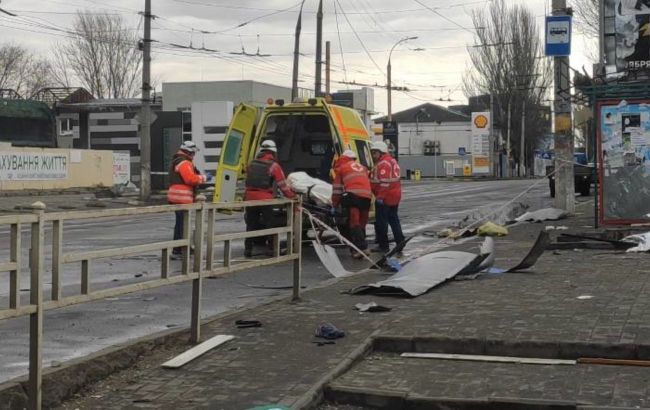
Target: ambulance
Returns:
[310, 135]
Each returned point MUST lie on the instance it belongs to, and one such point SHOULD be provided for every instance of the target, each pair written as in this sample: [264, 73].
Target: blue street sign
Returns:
[558, 36]
[462, 151]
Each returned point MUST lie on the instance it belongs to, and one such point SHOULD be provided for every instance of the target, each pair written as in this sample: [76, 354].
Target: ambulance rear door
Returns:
[235, 153]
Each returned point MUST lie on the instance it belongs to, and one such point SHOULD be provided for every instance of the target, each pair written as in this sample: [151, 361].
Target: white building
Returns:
[433, 139]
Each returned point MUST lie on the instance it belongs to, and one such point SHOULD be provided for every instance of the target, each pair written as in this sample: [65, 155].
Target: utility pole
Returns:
[508, 140]
[522, 155]
[319, 49]
[296, 56]
[601, 37]
[328, 56]
[564, 183]
[145, 115]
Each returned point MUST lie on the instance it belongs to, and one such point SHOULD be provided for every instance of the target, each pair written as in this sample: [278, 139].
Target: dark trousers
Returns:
[178, 230]
[357, 221]
[262, 217]
[387, 215]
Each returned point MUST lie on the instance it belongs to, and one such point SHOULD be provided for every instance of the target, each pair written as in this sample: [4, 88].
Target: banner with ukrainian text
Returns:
[32, 166]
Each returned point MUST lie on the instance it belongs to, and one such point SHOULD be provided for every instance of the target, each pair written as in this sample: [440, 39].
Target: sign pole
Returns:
[564, 177]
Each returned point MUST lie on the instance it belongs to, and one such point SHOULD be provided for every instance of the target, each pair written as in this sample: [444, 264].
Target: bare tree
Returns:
[587, 16]
[22, 71]
[103, 56]
[508, 63]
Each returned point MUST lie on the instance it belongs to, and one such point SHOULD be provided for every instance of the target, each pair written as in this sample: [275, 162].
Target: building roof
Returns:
[29, 109]
[429, 113]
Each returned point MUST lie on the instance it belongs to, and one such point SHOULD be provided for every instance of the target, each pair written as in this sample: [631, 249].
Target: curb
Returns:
[495, 347]
[391, 399]
[316, 393]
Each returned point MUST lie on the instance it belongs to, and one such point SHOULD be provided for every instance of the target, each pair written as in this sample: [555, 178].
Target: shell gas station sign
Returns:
[481, 142]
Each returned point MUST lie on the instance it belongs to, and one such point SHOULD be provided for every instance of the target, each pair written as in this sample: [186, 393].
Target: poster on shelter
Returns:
[625, 162]
[632, 35]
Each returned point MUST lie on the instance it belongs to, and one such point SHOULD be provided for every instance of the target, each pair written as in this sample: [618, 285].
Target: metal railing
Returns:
[194, 268]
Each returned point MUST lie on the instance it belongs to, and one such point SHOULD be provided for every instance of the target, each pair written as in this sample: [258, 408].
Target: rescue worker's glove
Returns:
[332, 211]
[379, 201]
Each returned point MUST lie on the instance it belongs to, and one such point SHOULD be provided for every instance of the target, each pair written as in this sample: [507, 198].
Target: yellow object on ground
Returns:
[492, 229]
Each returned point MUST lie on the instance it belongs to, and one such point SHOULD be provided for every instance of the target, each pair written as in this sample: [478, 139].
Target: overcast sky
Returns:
[432, 66]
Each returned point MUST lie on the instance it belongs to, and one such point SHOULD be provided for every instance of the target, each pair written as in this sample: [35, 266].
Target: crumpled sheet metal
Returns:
[642, 240]
[548, 214]
[330, 260]
[422, 274]
[542, 242]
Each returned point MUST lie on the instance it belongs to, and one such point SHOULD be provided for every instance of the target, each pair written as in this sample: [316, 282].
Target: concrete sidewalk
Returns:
[535, 314]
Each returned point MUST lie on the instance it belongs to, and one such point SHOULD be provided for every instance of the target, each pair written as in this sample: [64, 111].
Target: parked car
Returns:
[583, 175]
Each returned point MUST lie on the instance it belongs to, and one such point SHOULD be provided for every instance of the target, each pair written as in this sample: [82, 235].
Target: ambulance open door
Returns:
[235, 153]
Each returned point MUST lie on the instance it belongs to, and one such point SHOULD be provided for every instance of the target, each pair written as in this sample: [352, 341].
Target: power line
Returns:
[336, 16]
[442, 16]
[359, 38]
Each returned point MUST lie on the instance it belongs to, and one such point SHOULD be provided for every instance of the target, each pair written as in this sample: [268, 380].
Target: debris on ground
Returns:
[556, 228]
[371, 307]
[547, 214]
[198, 350]
[244, 324]
[330, 260]
[492, 229]
[585, 297]
[642, 242]
[540, 245]
[426, 272]
[328, 331]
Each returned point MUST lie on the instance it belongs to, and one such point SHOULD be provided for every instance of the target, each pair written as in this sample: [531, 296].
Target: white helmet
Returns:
[189, 146]
[269, 145]
[379, 146]
[350, 154]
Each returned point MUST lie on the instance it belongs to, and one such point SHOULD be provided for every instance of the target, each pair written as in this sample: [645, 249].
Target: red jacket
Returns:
[385, 179]
[275, 174]
[352, 177]
[184, 178]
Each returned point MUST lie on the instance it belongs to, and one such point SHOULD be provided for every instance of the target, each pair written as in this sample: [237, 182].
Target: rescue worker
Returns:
[351, 189]
[184, 179]
[387, 188]
[263, 175]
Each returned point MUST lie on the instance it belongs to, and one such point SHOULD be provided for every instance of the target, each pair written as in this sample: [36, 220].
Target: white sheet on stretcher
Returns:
[320, 193]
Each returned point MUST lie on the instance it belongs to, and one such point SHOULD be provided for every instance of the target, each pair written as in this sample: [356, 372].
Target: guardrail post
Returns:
[36, 318]
[209, 257]
[57, 245]
[164, 264]
[14, 275]
[185, 255]
[296, 237]
[197, 284]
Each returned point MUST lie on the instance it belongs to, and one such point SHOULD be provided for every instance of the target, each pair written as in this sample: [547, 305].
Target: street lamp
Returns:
[388, 74]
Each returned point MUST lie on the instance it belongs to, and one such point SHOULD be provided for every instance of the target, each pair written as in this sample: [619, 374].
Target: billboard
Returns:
[624, 155]
[627, 35]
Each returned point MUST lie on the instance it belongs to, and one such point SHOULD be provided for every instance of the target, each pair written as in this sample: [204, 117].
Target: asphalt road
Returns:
[76, 331]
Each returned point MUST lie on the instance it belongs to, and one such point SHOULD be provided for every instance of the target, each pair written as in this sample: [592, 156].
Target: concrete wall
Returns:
[85, 169]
